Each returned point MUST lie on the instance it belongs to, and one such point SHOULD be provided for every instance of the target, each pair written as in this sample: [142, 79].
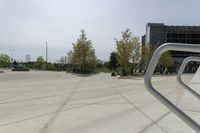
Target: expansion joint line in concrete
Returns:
[155, 122]
[55, 114]
[134, 106]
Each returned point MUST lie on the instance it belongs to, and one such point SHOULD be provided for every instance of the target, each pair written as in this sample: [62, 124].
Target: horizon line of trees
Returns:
[126, 59]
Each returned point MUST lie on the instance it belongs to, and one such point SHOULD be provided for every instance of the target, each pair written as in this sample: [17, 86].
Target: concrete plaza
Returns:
[59, 102]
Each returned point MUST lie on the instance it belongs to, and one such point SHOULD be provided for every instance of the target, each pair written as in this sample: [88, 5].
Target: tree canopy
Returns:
[83, 55]
[136, 50]
[149, 50]
[128, 49]
[125, 46]
[39, 63]
[166, 60]
[113, 60]
[5, 60]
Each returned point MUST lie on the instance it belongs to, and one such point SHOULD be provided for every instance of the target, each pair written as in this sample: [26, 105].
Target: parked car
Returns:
[20, 67]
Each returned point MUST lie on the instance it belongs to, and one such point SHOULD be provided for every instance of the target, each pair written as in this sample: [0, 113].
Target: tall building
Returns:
[159, 33]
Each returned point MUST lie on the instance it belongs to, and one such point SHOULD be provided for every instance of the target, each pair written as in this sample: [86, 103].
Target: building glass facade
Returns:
[158, 34]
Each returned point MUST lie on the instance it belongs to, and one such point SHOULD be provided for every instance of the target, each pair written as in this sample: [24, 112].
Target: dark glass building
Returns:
[158, 34]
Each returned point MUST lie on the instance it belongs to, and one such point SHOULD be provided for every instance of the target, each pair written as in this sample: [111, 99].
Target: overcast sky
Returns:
[25, 25]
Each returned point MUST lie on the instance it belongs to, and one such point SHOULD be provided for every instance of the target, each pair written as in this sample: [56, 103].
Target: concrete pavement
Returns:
[58, 102]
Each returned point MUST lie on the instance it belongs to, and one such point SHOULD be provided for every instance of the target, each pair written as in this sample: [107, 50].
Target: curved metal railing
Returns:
[147, 79]
[180, 72]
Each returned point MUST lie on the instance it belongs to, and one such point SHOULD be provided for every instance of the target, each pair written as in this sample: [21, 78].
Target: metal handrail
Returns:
[180, 72]
[150, 70]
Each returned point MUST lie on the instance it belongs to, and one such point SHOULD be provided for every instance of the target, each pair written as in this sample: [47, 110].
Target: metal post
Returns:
[147, 79]
[180, 72]
[46, 53]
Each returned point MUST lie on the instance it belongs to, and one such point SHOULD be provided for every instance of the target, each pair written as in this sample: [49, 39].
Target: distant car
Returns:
[20, 68]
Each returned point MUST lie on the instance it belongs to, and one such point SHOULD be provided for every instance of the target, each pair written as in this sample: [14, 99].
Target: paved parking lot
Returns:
[59, 102]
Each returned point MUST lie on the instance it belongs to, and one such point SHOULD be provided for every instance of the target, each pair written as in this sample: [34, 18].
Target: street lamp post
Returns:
[46, 53]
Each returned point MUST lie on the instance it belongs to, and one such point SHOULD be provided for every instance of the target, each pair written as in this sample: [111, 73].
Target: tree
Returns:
[40, 63]
[69, 57]
[91, 60]
[5, 60]
[136, 58]
[69, 60]
[113, 60]
[125, 47]
[83, 55]
[148, 53]
[165, 61]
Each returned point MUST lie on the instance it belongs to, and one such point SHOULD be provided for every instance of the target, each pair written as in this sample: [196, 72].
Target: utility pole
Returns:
[46, 53]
